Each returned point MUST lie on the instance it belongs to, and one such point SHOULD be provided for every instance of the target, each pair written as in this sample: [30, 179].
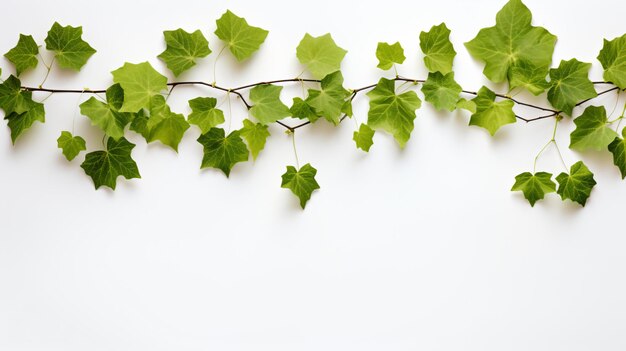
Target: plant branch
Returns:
[237, 92]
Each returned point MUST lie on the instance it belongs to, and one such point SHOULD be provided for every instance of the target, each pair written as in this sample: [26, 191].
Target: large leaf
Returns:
[513, 43]
[183, 49]
[437, 48]
[570, 84]
[241, 38]
[140, 83]
[24, 54]
[320, 54]
[70, 50]
[106, 165]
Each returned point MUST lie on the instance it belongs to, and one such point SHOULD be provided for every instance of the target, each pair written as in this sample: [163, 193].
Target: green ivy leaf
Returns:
[527, 76]
[613, 60]
[166, 126]
[442, 91]
[107, 116]
[301, 109]
[268, 107]
[106, 165]
[465, 104]
[489, 114]
[513, 42]
[24, 54]
[241, 38]
[183, 49]
[392, 113]
[570, 84]
[534, 186]
[320, 55]
[12, 98]
[222, 152]
[255, 135]
[140, 83]
[204, 114]
[437, 48]
[592, 131]
[329, 101]
[364, 137]
[301, 182]
[71, 145]
[576, 185]
[618, 148]
[20, 122]
[388, 54]
[71, 51]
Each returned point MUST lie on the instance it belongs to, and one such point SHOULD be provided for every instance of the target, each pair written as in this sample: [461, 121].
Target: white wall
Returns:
[420, 249]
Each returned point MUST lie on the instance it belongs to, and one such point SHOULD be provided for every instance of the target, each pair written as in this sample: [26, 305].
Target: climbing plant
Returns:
[513, 51]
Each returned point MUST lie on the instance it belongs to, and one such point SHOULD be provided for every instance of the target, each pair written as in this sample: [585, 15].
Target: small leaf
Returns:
[576, 185]
[613, 60]
[388, 54]
[140, 83]
[241, 38]
[12, 98]
[570, 84]
[267, 106]
[255, 135]
[204, 114]
[489, 114]
[107, 116]
[392, 113]
[71, 145]
[164, 125]
[320, 55]
[20, 122]
[71, 51]
[183, 49]
[618, 149]
[301, 109]
[442, 91]
[301, 182]
[106, 165]
[364, 137]
[329, 101]
[222, 152]
[534, 186]
[592, 131]
[468, 105]
[24, 54]
[437, 48]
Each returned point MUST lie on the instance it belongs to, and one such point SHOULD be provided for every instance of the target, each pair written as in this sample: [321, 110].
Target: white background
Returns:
[420, 249]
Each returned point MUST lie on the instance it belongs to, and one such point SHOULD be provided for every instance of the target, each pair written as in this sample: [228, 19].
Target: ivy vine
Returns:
[513, 51]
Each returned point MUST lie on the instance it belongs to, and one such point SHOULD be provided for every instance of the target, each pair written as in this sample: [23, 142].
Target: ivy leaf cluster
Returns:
[512, 51]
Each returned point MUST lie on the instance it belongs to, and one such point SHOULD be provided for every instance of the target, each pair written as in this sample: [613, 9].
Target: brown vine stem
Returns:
[237, 92]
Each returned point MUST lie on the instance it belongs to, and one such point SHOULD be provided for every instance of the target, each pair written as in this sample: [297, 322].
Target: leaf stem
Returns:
[48, 69]
[295, 151]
